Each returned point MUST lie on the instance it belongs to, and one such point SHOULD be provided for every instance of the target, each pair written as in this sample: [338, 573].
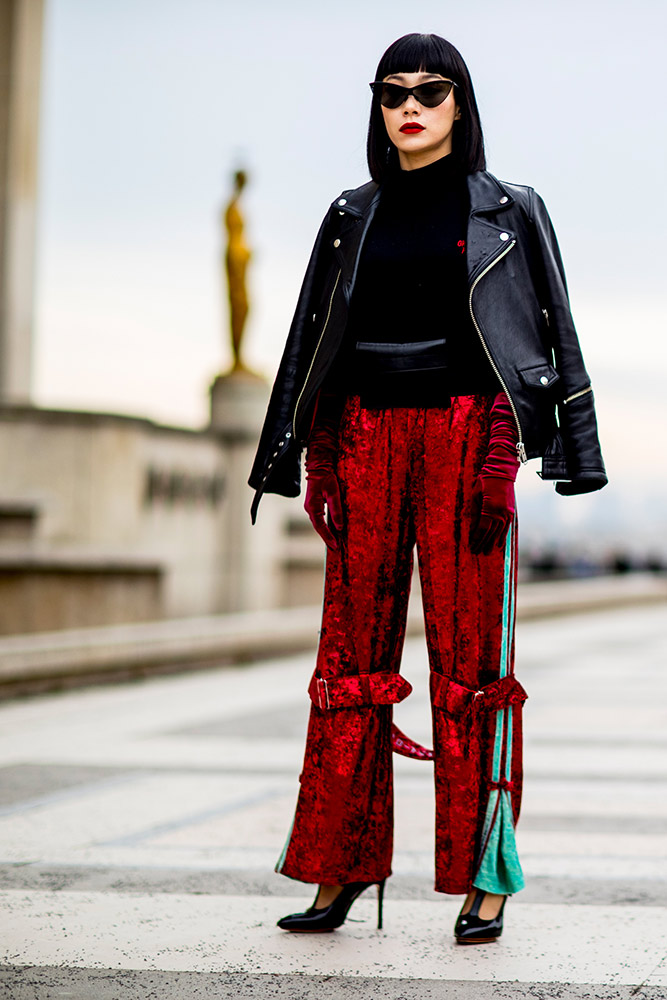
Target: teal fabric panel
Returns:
[500, 870]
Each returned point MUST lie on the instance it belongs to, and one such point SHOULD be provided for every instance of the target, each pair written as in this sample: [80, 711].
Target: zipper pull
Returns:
[521, 449]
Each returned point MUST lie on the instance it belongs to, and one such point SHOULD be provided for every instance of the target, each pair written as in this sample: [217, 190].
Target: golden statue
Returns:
[236, 261]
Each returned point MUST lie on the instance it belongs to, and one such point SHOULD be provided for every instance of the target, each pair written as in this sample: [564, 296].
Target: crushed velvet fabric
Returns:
[406, 478]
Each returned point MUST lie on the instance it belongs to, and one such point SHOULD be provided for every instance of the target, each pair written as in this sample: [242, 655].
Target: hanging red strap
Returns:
[400, 743]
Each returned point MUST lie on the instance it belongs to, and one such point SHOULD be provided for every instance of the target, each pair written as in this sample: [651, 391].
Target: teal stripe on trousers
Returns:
[499, 868]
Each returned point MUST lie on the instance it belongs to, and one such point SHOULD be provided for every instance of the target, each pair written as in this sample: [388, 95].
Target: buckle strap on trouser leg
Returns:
[358, 690]
[456, 699]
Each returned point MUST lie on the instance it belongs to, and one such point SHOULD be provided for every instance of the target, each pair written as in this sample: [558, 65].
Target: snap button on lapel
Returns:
[336, 243]
[342, 201]
[341, 213]
[504, 199]
[503, 237]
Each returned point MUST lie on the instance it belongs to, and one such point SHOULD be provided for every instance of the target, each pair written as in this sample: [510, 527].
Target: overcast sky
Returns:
[148, 106]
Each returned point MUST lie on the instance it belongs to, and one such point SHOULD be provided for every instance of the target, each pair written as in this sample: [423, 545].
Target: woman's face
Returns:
[418, 147]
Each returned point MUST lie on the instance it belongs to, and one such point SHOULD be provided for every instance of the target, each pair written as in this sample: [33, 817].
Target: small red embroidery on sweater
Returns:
[462, 244]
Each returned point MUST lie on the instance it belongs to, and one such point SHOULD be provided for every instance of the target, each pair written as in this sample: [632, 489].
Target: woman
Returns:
[431, 352]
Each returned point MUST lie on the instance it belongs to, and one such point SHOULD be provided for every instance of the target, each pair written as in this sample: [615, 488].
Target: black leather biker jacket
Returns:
[519, 306]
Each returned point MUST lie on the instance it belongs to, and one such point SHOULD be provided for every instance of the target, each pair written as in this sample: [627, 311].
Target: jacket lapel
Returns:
[487, 195]
[356, 210]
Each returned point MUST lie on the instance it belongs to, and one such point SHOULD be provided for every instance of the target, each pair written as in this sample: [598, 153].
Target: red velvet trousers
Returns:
[406, 476]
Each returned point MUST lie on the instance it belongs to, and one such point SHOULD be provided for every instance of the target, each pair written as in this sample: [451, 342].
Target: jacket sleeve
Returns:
[575, 457]
[277, 464]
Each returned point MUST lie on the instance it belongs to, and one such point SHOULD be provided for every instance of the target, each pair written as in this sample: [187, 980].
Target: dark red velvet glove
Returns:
[322, 489]
[493, 502]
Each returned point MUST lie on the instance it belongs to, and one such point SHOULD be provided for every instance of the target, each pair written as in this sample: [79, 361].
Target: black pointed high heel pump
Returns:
[329, 917]
[471, 929]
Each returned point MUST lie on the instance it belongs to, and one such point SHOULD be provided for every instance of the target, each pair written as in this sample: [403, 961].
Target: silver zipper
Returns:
[317, 347]
[576, 395]
[520, 447]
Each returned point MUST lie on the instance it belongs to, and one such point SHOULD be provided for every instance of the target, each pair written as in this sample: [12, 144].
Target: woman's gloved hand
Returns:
[493, 509]
[322, 489]
[493, 502]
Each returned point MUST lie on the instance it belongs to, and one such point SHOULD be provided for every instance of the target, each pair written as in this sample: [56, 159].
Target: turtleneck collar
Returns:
[433, 176]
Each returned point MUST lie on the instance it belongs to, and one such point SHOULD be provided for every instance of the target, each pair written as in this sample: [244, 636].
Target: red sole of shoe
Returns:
[323, 930]
[475, 940]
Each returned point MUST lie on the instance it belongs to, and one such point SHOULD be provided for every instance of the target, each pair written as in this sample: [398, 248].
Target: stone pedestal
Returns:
[250, 577]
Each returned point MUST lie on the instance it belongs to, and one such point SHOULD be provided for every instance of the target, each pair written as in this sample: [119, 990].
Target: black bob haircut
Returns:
[417, 53]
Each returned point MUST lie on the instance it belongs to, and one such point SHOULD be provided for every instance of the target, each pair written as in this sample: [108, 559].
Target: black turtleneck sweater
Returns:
[412, 288]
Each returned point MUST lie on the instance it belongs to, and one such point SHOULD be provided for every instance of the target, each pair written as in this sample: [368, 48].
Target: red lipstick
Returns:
[411, 127]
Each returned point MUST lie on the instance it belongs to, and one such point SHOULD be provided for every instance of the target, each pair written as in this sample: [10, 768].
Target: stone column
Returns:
[251, 571]
[20, 69]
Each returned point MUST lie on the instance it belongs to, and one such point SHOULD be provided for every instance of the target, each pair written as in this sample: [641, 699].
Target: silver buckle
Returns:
[321, 680]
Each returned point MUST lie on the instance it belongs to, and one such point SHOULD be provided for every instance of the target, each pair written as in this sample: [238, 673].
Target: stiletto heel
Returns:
[471, 929]
[329, 917]
[380, 900]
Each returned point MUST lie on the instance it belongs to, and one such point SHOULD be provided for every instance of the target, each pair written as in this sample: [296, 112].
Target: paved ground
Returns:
[140, 823]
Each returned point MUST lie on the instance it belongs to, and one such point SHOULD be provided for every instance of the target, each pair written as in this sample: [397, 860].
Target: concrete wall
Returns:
[126, 488]
[55, 592]
[164, 509]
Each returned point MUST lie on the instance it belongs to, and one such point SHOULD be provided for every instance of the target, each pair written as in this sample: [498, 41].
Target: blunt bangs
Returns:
[417, 54]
